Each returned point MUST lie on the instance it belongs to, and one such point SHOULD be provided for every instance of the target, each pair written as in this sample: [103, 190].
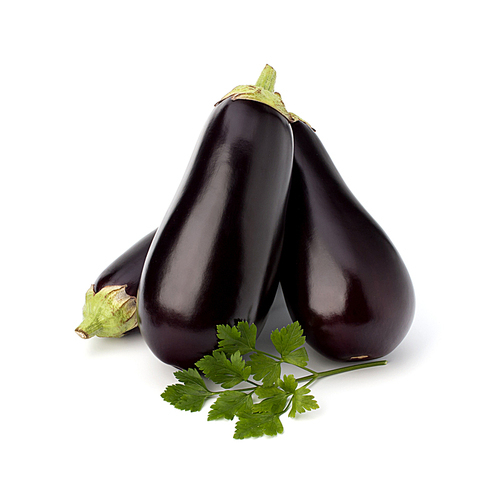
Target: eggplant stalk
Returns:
[262, 91]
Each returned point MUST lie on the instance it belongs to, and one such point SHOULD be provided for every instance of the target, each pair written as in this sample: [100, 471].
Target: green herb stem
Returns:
[306, 369]
[252, 383]
[310, 381]
[275, 357]
[287, 407]
[282, 361]
[331, 372]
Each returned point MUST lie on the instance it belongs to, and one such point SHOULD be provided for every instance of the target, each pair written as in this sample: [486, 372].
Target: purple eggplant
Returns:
[342, 278]
[215, 257]
[110, 303]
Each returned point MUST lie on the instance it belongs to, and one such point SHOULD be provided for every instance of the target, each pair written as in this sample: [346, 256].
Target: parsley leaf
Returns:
[256, 425]
[288, 384]
[265, 369]
[229, 404]
[274, 400]
[221, 370]
[288, 339]
[237, 339]
[297, 357]
[189, 396]
[302, 402]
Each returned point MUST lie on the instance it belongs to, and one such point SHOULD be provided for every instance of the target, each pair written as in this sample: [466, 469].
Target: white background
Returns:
[101, 103]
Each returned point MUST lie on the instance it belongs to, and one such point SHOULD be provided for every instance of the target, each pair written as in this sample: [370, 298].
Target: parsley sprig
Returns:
[265, 396]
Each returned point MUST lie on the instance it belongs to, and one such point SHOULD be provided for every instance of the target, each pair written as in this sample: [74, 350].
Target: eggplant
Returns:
[215, 257]
[341, 276]
[110, 303]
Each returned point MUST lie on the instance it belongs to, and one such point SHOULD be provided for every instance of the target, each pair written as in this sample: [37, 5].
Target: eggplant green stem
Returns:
[262, 92]
[267, 79]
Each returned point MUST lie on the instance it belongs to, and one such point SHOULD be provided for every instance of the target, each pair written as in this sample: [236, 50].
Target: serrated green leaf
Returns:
[190, 376]
[265, 369]
[189, 396]
[298, 357]
[221, 370]
[256, 425]
[275, 401]
[237, 339]
[288, 338]
[248, 335]
[229, 338]
[184, 398]
[302, 402]
[288, 384]
[263, 392]
[229, 404]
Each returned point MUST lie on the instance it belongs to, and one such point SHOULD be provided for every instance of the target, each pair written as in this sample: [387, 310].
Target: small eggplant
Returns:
[215, 257]
[341, 276]
[110, 303]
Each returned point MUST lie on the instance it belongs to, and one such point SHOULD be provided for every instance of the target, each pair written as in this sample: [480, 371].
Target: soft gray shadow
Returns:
[278, 318]
[417, 345]
[130, 341]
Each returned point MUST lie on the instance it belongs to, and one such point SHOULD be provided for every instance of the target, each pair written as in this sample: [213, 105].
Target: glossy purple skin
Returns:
[215, 257]
[126, 269]
[342, 278]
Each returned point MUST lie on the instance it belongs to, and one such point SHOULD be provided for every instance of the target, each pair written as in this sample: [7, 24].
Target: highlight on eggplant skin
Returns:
[110, 303]
[215, 257]
[341, 276]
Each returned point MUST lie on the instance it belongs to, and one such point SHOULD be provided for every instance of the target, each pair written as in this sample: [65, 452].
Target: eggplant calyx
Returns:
[262, 91]
[295, 118]
[110, 312]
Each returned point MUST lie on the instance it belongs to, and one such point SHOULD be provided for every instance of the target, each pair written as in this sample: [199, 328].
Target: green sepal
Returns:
[295, 118]
[254, 93]
[263, 92]
[110, 312]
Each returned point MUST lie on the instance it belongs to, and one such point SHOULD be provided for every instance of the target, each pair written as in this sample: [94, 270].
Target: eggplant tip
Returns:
[82, 334]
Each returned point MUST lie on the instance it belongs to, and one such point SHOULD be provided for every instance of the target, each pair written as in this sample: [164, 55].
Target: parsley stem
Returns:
[287, 407]
[252, 383]
[309, 381]
[275, 357]
[306, 369]
[251, 389]
[280, 359]
[319, 375]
